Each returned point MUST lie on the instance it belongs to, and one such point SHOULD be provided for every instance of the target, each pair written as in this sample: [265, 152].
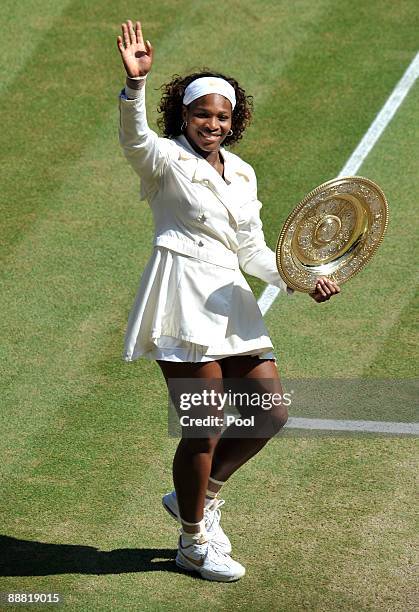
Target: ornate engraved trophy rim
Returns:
[335, 267]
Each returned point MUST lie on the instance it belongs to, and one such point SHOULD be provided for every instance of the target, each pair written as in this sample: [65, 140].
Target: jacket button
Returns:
[200, 243]
[202, 218]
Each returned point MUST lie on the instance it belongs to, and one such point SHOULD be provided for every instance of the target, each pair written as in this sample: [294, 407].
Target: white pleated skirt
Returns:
[171, 349]
[185, 310]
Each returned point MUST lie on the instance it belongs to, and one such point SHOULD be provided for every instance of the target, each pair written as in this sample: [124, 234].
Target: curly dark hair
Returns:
[171, 105]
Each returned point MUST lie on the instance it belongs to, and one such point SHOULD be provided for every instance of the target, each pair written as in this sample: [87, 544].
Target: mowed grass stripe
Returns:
[393, 162]
[57, 103]
[311, 543]
[400, 345]
[320, 501]
[27, 24]
[54, 113]
[255, 48]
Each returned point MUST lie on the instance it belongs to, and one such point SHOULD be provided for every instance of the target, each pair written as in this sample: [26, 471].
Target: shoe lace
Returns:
[213, 513]
[216, 554]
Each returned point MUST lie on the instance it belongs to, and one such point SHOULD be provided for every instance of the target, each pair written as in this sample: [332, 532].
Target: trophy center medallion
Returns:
[327, 229]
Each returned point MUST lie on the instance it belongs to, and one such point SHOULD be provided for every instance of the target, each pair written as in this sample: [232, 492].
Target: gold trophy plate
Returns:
[333, 232]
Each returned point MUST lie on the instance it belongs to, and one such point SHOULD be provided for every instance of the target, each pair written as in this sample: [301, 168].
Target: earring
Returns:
[183, 126]
[230, 133]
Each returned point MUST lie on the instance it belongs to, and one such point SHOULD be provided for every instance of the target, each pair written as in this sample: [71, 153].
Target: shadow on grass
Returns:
[26, 558]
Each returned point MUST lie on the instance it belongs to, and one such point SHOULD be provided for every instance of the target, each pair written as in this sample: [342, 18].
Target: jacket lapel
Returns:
[202, 172]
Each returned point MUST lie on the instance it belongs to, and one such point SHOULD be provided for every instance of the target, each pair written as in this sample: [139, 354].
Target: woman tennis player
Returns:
[194, 312]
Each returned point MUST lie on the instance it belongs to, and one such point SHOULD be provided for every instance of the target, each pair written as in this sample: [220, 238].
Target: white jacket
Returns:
[199, 214]
[185, 192]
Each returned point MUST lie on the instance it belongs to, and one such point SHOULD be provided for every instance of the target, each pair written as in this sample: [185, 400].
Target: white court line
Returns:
[355, 161]
[342, 425]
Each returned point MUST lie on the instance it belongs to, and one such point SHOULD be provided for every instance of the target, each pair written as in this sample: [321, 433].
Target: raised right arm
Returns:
[145, 151]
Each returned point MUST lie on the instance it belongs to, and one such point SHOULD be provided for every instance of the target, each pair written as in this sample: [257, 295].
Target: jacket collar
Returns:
[203, 172]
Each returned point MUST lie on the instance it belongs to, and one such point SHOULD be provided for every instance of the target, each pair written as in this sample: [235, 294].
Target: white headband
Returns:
[209, 85]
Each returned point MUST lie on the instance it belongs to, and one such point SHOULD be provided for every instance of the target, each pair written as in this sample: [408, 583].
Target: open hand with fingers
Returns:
[137, 55]
[324, 289]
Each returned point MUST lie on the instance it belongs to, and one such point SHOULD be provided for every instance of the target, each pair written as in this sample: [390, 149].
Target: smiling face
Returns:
[208, 121]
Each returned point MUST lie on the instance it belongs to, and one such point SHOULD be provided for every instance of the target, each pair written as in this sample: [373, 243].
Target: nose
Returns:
[212, 124]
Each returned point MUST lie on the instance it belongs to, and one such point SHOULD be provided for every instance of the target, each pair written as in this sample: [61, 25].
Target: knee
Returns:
[195, 446]
[279, 418]
[270, 422]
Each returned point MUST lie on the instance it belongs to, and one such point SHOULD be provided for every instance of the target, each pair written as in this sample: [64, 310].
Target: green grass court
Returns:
[321, 523]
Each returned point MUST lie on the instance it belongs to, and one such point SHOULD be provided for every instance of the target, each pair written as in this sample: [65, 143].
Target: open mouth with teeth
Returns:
[209, 136]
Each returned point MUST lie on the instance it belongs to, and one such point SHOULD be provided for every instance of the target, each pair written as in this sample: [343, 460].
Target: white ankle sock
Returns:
[217, 482]
[197, 537]
[209, 497]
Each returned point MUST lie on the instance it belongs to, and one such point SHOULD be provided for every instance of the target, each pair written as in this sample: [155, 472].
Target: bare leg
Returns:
[231, 453]
[193, 457]
[197, 459]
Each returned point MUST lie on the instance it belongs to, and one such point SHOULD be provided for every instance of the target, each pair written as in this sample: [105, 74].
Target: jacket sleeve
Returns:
[145, 151]
[255, 257]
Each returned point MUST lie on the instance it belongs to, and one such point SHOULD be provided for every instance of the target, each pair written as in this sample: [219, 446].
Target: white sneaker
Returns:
[212, 516]
[209, 561]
